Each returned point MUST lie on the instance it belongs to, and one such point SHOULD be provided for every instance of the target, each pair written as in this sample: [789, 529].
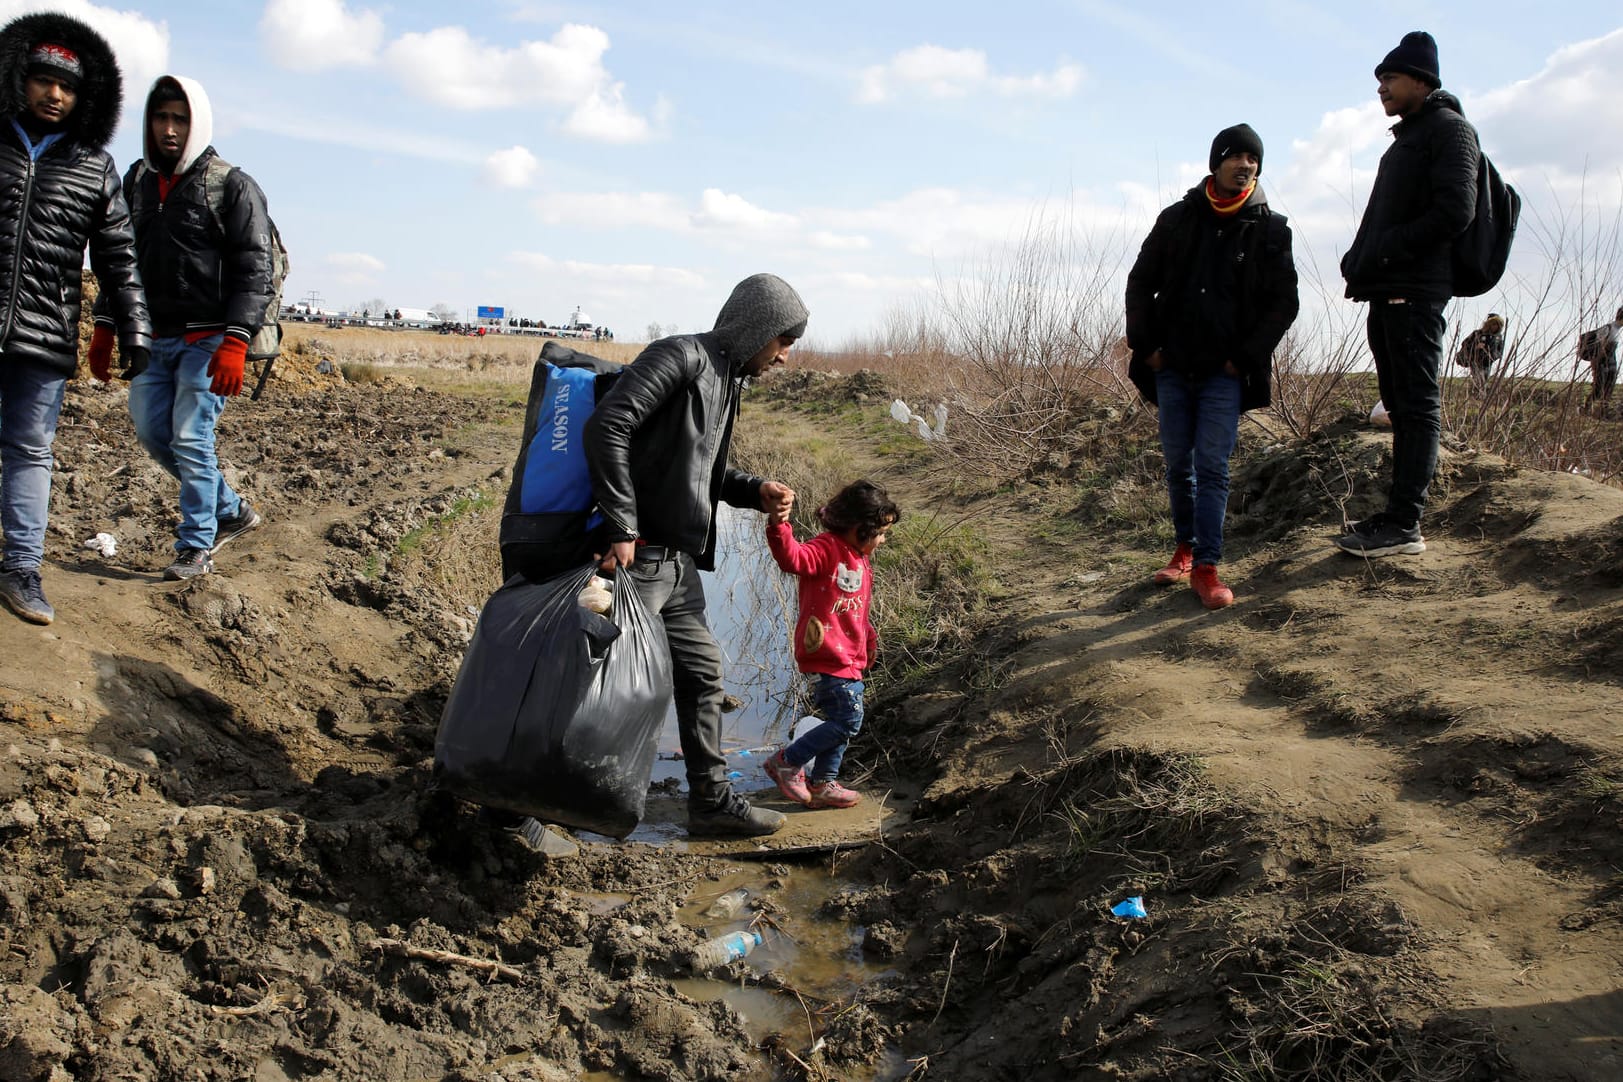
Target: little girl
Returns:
[834, 637]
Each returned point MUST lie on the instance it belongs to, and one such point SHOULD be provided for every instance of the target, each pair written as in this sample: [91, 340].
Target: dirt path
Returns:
[1373, 809]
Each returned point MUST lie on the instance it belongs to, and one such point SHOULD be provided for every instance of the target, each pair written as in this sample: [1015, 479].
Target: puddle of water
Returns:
[750, 609]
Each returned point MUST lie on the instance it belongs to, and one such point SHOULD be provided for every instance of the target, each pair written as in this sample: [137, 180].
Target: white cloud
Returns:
[838, 242]
[140, 44]
[632, 210]
[355, 268]
[935, 72]
[723, 210]
[514, 167]
[639, 274]
[450, 67]
[1564, 117]
[314, 35]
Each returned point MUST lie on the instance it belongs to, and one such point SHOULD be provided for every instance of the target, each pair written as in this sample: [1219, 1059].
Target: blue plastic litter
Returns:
[734, 775]
[1132, 908]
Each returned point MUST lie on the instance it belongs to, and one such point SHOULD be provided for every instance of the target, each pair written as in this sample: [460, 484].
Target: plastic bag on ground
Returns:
[556, 710]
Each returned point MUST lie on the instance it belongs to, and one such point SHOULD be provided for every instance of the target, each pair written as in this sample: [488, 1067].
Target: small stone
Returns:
[97, 828]
[145, 757]
[162, 888]
[19, 813]
[205, 880]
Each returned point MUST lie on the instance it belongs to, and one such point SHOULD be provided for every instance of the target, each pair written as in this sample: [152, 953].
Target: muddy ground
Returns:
[1373, 809]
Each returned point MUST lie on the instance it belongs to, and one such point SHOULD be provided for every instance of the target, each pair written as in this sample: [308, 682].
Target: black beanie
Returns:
[1415, 55]
[1235, 140]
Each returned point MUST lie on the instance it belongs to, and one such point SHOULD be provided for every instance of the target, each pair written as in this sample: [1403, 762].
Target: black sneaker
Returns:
[189, 564]
[733, 815]
[1383, 539]
[23, 595]
[236, 525]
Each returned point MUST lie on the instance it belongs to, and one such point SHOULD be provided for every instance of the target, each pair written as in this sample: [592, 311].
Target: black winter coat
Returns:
[202, 275]
[667, 426]
[1259, 272]
[657, 442]
[1424, 196]
[52, 208]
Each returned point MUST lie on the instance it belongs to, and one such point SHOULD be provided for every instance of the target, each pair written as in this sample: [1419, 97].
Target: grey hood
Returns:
[762, 307]
[202, 130]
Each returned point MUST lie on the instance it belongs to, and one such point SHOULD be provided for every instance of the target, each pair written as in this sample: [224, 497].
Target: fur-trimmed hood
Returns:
[101, 91]
[202, 129]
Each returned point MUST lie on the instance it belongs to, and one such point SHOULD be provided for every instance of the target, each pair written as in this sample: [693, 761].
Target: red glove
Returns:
[226, 366]
[100, 354]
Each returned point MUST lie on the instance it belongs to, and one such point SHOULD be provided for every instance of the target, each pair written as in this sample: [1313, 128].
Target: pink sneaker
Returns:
[791, 780]
[831, 794]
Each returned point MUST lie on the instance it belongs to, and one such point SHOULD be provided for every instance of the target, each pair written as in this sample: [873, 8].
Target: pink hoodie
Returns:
[833, 633]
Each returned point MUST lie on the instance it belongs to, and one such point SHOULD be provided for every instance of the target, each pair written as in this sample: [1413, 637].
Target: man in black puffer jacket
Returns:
[60, 91]
[1424, 196]
[657, 448]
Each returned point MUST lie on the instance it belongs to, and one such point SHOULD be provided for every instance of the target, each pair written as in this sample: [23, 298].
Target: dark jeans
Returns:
[672, 588]
[1406, 339]
[1200, 419]
[839, 700]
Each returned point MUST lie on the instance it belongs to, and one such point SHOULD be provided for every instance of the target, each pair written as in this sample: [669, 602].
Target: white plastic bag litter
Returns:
[104, 543]
[1379, 416]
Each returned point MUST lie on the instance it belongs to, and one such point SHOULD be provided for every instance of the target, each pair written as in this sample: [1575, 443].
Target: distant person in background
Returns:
[1423, 197]
[1211, 294]
[203, 236]
[1481, 350]
[1598, 349]
[657, 448]
[834, 642]
[60, 89]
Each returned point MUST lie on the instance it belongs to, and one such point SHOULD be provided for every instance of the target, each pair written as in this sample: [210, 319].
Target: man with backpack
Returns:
[656, 446]
[1400, 261]
[1211, 294]
[1598, 349]
[1481, 350]
[60, 90]
[207, 253]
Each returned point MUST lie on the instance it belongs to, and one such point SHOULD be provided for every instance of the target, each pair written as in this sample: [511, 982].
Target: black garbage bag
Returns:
[556, 710]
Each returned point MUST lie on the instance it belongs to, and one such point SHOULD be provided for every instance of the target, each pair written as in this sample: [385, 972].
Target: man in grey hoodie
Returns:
[657, 449]
[203, 238]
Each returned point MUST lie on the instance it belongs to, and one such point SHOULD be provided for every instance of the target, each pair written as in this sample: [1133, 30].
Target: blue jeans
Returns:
[1406, 341]
[1200, 420]
[175, 413]
[839, 701]
[30, 403]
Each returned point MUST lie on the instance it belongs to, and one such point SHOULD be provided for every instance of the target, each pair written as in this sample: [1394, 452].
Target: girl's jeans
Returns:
[839, 701]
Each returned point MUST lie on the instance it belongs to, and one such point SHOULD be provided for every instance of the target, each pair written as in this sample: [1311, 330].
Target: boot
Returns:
[1213, 594]
[727, 813]
[1177, 569]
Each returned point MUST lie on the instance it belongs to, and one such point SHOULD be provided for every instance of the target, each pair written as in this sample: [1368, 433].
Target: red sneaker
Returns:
[791, 780]
[1177, 569]
[831, 794]
[1213, 594]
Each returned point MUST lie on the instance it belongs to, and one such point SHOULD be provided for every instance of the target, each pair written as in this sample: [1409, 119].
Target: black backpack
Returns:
[1478, 257]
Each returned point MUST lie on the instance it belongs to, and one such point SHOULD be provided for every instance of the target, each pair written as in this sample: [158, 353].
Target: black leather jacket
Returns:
[50, 209]
[657, 443]
[1424, 196]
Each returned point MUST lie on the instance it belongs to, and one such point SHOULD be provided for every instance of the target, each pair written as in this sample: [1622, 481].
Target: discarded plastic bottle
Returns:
[729, 904]
[723, 949]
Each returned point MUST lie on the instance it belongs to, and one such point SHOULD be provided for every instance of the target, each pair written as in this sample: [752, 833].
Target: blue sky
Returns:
[638, 158]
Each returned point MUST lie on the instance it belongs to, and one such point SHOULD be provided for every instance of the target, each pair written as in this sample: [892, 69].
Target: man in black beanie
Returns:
[1211, 294]
[1424, 196]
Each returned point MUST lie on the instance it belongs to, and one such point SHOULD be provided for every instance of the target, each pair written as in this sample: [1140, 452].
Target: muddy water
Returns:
[751, 609]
